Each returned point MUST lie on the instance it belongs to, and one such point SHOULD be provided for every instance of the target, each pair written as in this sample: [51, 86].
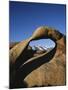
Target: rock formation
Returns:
[45, 69]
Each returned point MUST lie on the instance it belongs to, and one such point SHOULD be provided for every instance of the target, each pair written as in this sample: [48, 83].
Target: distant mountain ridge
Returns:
[36, 47]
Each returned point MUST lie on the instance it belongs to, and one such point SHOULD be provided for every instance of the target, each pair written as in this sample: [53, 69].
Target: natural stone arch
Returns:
[40, 33]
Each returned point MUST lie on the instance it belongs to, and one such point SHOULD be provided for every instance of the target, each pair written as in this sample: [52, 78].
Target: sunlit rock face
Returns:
[49, 73]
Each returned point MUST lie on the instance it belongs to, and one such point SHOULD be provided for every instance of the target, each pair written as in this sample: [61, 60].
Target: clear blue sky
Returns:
[26, 17]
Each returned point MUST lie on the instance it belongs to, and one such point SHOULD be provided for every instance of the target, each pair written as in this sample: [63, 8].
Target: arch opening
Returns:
[42, 44]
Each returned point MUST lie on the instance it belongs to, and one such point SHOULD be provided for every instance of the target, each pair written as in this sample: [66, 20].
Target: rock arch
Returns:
[23, 71]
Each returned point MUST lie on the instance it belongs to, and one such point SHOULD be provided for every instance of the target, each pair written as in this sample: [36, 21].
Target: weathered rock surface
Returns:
[51, 73]
[45, 69]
